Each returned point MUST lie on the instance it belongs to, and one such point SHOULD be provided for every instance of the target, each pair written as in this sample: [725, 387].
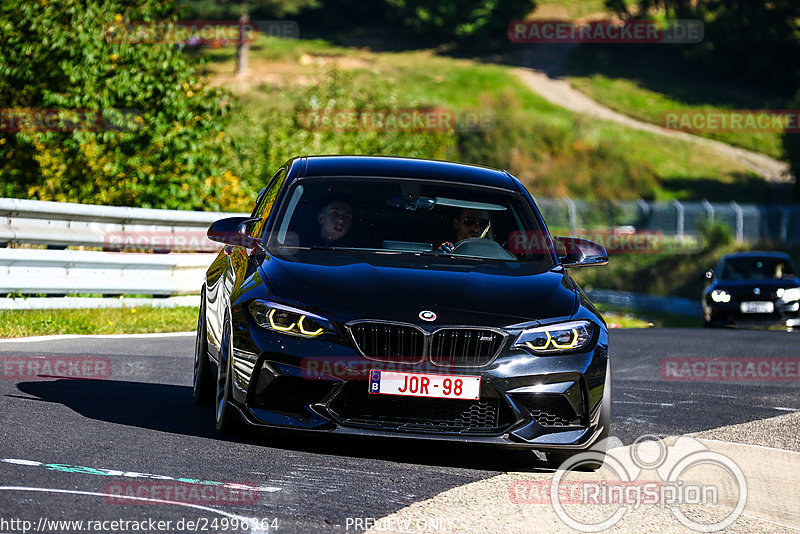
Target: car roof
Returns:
[757, 254]
[392, 166]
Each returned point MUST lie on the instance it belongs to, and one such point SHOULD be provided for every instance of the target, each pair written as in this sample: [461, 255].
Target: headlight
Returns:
[788, 294]
[562, 337]
[719, 295]
[288, 320]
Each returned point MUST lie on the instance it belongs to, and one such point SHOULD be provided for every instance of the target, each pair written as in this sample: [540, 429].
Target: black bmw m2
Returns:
[404, 298]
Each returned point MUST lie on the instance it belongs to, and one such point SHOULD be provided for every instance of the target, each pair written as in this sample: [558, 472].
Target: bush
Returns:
[285, 133]
[553, 160]
[473, 24]
[715, 235]
[62, 55]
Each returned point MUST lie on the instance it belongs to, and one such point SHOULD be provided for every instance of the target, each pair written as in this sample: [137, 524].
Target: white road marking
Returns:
[64, 468]
[60, 337]
[662, 404]
[720, 396]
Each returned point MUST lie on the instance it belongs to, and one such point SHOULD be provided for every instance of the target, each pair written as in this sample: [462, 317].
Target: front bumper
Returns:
[320, 386]
[730, 314]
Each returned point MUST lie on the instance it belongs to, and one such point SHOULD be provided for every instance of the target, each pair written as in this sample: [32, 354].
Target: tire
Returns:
[203, 380]
[598, 450]
[227, 417]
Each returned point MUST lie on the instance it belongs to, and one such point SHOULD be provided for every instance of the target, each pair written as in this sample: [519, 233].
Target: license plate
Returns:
[757, 307]
[424, 385]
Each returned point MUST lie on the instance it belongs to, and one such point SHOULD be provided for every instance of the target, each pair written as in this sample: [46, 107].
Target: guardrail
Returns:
[65, 224]
[58, 225]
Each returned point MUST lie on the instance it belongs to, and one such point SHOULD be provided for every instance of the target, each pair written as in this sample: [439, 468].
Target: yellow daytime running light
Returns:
[277, 326]
[550, 341]
[303, 329]
[570, 345]
[556, 338]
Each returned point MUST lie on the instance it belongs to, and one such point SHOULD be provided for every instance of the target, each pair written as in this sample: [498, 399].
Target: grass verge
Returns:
[23, 323]
[625, 318]
[644, 82]
[553, 151]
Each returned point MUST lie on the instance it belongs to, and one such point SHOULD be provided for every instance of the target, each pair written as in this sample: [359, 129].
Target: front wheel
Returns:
[228, 423]
[203, 382]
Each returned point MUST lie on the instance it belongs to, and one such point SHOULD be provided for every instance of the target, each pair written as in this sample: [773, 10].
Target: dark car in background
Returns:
[334, 309]
[752, 288]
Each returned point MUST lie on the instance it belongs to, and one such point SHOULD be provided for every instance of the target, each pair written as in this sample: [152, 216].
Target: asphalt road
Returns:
[65, 442]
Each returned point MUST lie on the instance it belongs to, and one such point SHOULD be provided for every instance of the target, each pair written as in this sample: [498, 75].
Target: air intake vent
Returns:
[389, 342]
[465, 347]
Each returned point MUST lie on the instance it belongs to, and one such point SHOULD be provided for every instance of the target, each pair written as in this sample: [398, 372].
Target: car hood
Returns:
[487, 294]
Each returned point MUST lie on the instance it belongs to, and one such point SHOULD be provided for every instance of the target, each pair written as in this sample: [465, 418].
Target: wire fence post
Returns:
[679, 209]
[739, 221]
[709, 210]
[784, 225]
[573, 215]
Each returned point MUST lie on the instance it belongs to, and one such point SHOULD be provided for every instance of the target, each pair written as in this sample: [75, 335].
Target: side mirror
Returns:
[233, 231]
[708, 275]
[580, 252]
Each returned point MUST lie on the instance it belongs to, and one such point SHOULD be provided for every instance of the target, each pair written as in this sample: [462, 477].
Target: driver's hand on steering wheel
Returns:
[446, 247]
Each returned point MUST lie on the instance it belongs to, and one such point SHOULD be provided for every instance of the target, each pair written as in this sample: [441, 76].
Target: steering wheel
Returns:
[482, 248]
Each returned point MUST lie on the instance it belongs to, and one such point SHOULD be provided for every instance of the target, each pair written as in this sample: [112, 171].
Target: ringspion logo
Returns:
[684, 477]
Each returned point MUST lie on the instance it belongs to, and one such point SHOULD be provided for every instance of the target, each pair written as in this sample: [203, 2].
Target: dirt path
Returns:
[546, 80]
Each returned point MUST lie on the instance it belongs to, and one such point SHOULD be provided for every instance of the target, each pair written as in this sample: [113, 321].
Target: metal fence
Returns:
[114, 270]
[142, 252]
[750, 223]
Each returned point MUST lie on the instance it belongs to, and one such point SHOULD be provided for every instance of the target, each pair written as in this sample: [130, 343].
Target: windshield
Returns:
[757, 269]
[406, 216]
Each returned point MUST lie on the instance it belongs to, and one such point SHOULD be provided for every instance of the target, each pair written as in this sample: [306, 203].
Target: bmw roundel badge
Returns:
[427, 315]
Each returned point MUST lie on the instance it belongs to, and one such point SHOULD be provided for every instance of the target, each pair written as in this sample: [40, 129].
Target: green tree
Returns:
[750, 40]
[471, 23]
[71, 55]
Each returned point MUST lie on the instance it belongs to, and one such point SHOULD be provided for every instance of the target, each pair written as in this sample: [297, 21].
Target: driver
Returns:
[470, 223]
[335, 220]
